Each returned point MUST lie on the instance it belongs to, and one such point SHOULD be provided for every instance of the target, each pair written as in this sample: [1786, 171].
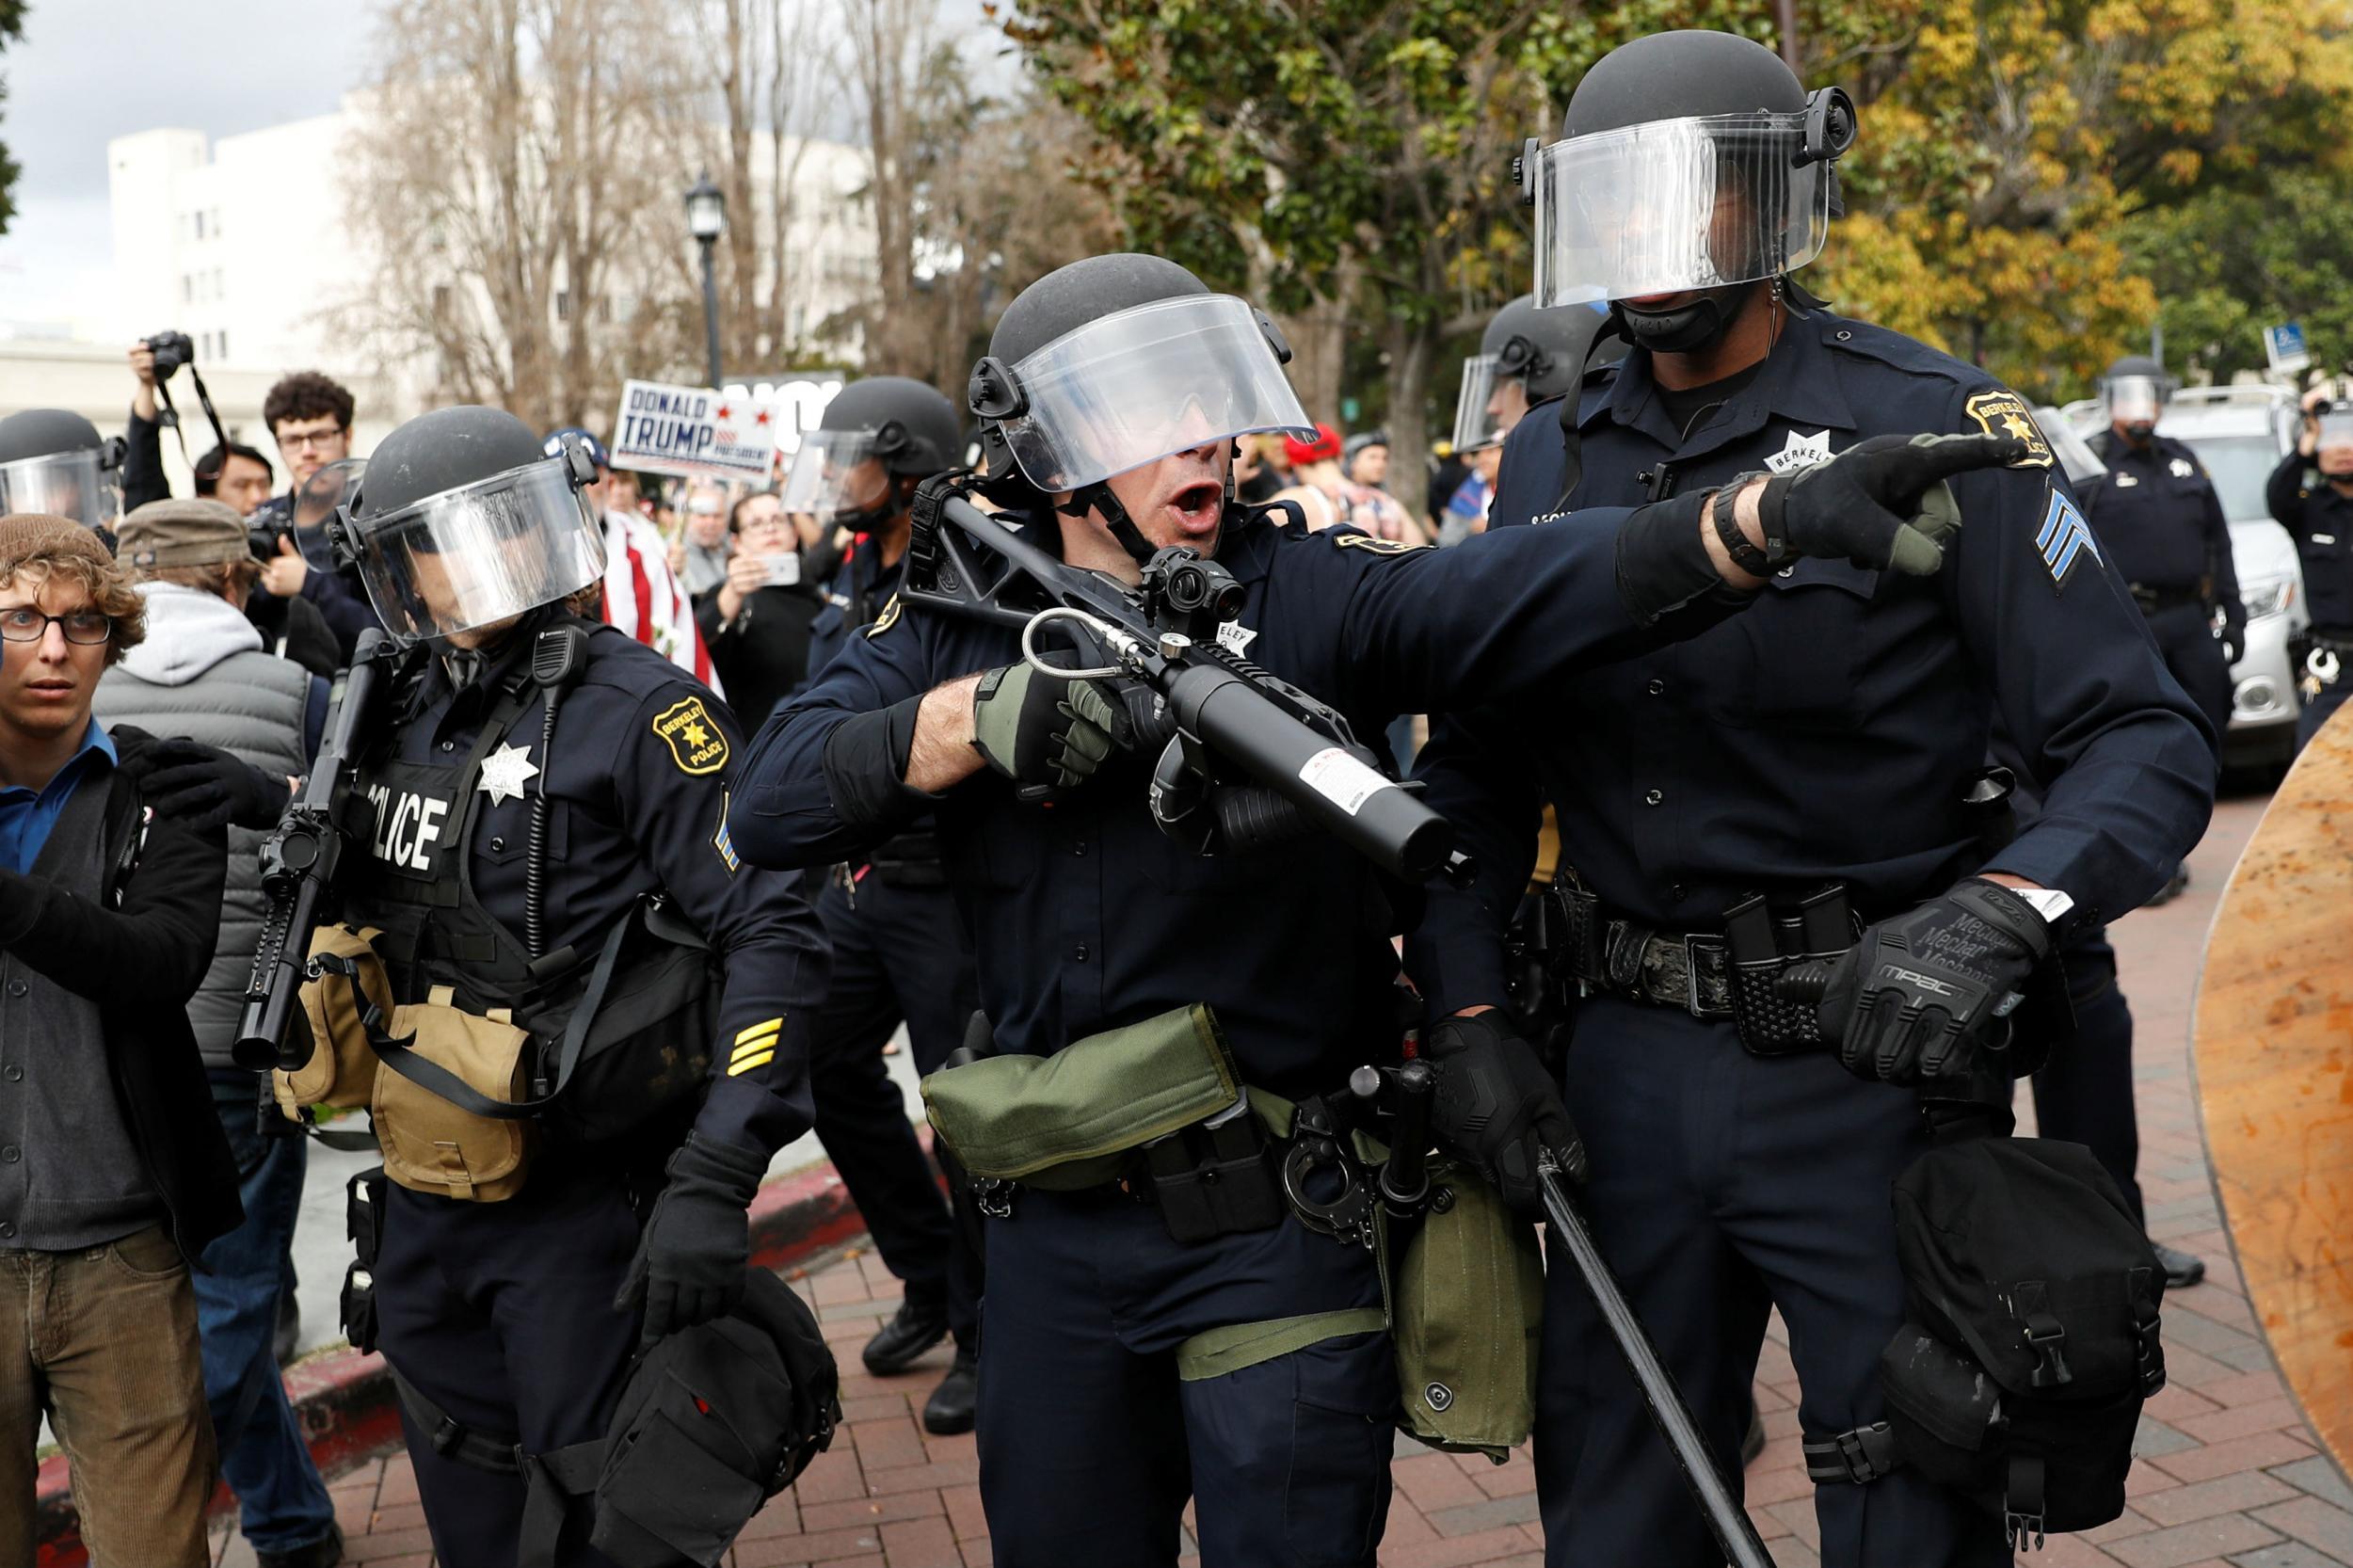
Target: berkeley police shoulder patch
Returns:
[696, 742]
[2003, 413]
[2065, 538]
[888, 618]
[1348, 539]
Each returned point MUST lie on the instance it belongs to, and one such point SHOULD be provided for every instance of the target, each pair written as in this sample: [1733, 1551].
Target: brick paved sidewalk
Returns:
[2228, 1473]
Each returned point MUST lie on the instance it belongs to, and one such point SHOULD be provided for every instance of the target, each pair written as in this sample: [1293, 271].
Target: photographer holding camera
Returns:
[757, 620]
[292, 625]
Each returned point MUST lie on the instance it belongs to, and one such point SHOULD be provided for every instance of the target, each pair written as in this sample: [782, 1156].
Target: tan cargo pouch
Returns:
[431, 1146]
[1067, 1121]
[341, 1072]
[1465, 1296]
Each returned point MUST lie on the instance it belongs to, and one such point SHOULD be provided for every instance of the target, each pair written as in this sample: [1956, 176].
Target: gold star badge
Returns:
[2003, 413]
[696, 742]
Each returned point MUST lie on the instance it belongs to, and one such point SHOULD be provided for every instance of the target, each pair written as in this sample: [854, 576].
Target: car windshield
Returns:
[2239, 465]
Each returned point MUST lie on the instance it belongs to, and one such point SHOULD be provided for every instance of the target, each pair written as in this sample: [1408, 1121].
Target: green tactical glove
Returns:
[1883, 503]
[1038, 729]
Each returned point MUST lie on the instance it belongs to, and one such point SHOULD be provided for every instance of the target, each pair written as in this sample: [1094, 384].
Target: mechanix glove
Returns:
[1881, 502]
[1496, 1106]
[1921, 995]
[1038, 729]
[689, 1267]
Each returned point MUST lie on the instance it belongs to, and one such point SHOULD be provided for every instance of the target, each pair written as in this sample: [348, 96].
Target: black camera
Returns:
[171, 351]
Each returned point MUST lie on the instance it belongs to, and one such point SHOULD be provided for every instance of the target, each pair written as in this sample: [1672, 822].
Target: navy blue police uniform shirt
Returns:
[1831, 731]
[861, 586]
[642, 766]
[1085, 917]
[2157, 517]
[2320, 519]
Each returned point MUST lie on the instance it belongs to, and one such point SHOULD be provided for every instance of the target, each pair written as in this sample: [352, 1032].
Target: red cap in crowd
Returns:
[1325, 448]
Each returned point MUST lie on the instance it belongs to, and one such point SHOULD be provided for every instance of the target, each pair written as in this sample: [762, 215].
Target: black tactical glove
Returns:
[1495, 1106]
[1920, 995]
[690, 1263]
[1881, 502]
[1041, 731]
[201, 789]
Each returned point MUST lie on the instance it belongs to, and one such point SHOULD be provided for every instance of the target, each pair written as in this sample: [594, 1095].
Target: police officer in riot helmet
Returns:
[1177, 1319]
[53, 460]
[549, 832]
[900, 952]
[2311, 493]
[2158, 513]
[1526, 357]
[1751, 799]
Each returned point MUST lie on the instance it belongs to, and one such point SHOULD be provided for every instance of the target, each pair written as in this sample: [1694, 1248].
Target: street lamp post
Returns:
[706, 219]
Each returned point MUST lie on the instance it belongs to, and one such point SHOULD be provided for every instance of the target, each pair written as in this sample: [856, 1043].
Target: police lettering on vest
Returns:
[408, 827]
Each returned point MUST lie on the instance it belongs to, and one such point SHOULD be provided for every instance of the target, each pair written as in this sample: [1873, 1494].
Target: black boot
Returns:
[919, 1325]
[949, 1409]
[2181, 1270]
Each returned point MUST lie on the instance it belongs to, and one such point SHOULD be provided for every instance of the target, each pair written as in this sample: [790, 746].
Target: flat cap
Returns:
[175, 533]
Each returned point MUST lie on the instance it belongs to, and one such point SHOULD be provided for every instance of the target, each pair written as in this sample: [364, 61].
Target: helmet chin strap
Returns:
[866, 519]
[1098, 497]
[1698, 323]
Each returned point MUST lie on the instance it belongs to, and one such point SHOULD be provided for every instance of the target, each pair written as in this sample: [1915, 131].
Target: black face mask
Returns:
[1687, 328]
[2138, 432]
[871, 518]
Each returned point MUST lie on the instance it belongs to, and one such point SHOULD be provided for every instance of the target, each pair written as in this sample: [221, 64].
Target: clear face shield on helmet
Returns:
[78, 485]
[2134, 399]
[319, 498]
[1672, 205]
[1493, 399]
[472, 558]
[1133, 387]
[835, 471]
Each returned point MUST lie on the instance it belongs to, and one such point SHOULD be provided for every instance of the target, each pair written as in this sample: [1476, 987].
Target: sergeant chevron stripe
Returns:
[754, 1046]
[2065, 538]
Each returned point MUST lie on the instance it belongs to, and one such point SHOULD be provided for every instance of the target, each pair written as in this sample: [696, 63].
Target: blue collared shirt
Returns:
[26, 815]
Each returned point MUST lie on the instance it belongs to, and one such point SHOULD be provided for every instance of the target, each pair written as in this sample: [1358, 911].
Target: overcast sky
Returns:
[88, 71]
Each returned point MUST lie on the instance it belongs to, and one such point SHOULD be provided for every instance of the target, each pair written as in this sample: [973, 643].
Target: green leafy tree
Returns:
[12, 30]
[2233, 260]
[1307, 150]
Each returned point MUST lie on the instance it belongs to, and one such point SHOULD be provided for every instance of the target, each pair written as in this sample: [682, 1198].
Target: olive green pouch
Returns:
[1066, 1121]
[1466, 1301]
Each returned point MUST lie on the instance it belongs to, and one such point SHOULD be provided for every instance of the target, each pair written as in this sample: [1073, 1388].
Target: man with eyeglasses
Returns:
[114, 1172]
[310, 415]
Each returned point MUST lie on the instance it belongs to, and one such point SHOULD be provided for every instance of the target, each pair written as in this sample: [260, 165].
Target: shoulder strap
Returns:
[437, 1079]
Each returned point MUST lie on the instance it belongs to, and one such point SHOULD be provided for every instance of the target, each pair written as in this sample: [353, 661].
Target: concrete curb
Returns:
[345, 1399]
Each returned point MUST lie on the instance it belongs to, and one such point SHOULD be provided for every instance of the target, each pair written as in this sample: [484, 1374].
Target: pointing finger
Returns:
[1944, 456]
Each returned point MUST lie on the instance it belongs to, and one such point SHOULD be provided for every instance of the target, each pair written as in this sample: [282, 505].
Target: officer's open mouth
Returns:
[1197, 506]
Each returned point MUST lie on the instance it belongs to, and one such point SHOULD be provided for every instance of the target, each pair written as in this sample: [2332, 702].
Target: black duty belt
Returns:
[1691, 971]
[1717, 976]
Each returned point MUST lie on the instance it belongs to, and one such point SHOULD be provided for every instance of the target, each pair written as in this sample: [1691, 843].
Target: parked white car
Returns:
[2240, 434]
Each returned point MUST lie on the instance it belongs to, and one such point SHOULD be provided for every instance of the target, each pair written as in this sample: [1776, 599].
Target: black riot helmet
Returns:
[2135, 391]
[1116, 362]
[883, 428]
[1525, 356]
[462, 521]
[1690, 162]
[53, 460]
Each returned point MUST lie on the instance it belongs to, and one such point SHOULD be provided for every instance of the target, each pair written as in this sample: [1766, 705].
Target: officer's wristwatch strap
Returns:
[1723, 513]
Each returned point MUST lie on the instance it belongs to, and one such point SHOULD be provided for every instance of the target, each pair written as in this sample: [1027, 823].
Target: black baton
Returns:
[1726, 1518]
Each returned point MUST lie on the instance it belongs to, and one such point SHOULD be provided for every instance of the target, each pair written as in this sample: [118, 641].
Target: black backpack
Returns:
[2032, 1338]
[712, 1423]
